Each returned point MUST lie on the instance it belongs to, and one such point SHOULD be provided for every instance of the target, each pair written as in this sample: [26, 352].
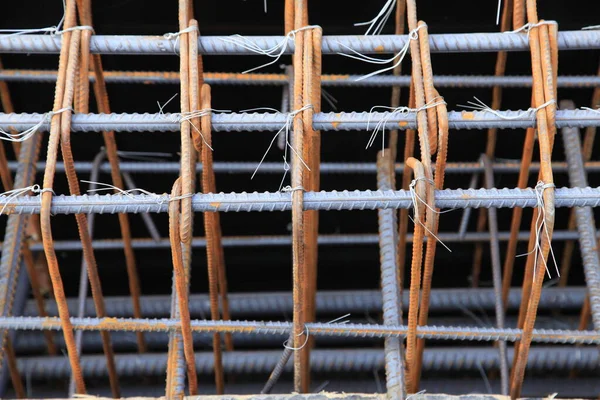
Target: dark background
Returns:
[269, 268]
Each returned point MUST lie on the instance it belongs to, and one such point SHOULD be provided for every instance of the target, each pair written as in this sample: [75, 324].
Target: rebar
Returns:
[354, 121]
[496, 274]
[167, 167]
[390, 286]
[329, 302]
[281, 201]
[317, 329]
[264, 79]
[10, 261]
[546, 359]
[226, 45]
[284, 240]
[585, 222]
[32, 343]
[285, 299]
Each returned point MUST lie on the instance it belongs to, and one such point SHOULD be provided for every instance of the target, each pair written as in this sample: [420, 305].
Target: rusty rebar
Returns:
[301, 379]
[103, 104]
[544, 66]
[214, 248]
[181, 284]
[67, 66]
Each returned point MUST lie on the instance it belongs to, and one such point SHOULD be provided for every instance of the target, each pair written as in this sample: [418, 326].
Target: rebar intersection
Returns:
[420, 195]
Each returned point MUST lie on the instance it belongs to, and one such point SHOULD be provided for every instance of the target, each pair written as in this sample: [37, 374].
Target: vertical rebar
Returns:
[544, 61]
[586, 151]
[584, 217]
[301, 378]
[83, 275]
[182, 288]
[390, 286]
[491, 138]
[103, 104]
[11, 360]
[496, 274]
[10, 260]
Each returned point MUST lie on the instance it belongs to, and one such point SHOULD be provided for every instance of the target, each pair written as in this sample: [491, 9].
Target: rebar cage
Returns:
[161, 302]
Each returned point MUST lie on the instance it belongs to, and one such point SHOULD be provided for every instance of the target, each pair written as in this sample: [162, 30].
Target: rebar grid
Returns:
[186, 317]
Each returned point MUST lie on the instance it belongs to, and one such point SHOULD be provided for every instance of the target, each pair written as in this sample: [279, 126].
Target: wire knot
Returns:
[175, 35]
[540, 227]
[412, 35]
[288, 189]
[479, 105]
[402, 110]
[274, 52]
[26, 134]
[306, 332]
[14, 193]
[529, 26]
[287, 128]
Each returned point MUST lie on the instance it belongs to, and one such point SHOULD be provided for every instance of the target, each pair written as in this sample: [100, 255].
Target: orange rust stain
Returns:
[148, 83]
[468, 115]
[215, 204]
[465, 196]
[336, 123]
[402, 124]
[379, 49]
[335, 77]
[49, 323]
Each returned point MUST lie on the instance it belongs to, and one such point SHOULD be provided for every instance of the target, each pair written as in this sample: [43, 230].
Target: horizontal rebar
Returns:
[328, 302]
[230, 45]
[316, 329]
[285, 240]
[281, 201]
[232, 78]
[344, 121]
[236, 167]
[31, 343]
[545, 359]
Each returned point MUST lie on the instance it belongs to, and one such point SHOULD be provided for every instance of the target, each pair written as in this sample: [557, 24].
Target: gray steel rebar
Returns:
[586, 225]
[390, 287]
[281, 143]
[496, 274]
[323, 361]
[279, 367]
[19, 304]
[32, 343]
[281, 201]
[226, 45]
[284, 240]
[10, 261]
[216, 78]
[235, 167]
[344, 121]
[476, 334]
[248, 305]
